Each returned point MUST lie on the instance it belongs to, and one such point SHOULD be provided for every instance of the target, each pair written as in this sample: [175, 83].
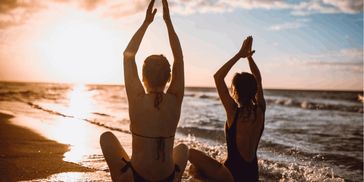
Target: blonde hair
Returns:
[156, 71]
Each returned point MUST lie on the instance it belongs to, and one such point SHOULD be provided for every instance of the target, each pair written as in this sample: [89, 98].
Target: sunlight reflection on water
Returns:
[80, 102]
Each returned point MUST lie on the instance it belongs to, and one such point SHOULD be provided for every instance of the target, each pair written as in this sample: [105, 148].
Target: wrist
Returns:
[146, 23]
[239, 55]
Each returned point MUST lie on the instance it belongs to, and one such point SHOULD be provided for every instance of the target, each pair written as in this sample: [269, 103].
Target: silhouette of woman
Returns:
[154, 114]
[245, 111]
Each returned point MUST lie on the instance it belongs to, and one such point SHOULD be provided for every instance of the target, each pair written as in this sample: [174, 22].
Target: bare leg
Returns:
[209, 167]
[180, 157]
[113, 154]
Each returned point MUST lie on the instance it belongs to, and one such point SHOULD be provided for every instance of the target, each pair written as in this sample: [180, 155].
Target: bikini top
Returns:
[160, 144]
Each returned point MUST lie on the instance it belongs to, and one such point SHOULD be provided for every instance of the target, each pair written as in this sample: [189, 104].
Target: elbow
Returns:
[258, 78]
[128, 54]
[217, 76]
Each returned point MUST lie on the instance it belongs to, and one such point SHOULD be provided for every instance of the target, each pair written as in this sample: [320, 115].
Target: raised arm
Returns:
[132, 82]
[178, 82]
[223, 91]
[255, 71]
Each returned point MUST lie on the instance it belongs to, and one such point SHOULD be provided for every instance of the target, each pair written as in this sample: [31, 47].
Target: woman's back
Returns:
[153, 131]
[249, 131]
[242, 138]
[153, 114]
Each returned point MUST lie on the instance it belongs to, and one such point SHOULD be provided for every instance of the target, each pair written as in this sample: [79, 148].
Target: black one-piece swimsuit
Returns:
[240, 169]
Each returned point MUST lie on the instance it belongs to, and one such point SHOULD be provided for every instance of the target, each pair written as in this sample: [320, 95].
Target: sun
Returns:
[78, 49]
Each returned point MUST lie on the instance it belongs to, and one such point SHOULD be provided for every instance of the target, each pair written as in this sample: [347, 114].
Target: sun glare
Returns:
[78, 49]
[80, 102]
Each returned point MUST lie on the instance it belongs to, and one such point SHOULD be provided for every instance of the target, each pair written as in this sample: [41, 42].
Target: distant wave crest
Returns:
[314, 105]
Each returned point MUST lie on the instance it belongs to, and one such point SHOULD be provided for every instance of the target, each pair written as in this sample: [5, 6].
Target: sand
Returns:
[26, 155]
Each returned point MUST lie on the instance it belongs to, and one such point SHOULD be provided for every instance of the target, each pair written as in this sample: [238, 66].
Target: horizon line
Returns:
[187, 86]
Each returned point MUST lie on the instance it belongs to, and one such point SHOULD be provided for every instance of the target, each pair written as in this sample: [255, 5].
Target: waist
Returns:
[152, 150]
[141, 159]
[146, 145]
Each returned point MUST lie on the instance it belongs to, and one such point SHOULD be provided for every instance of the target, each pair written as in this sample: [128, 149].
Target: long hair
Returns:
[244, 89]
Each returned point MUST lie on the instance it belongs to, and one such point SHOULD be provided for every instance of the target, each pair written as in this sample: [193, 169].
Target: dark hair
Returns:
[156, 70]
[244, 87]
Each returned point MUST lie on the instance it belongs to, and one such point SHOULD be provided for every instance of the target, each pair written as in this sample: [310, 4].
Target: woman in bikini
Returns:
[245, 110]
[154, 113]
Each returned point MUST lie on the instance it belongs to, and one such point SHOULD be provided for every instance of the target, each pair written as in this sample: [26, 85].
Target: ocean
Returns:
[308, 135]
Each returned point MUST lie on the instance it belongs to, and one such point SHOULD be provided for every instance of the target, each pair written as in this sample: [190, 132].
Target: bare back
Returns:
[148, 121]
[249, 131]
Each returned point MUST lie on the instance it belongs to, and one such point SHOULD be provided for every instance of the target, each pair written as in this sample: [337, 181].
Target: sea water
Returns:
[308, 135]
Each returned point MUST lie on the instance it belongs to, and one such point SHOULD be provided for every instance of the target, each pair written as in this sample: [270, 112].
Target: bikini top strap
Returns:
[143, 136]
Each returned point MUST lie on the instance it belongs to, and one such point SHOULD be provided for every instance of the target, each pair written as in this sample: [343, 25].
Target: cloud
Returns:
[91, 4]
[88, 5]
[15, 12]
[346, 6]
[352, 53]
[120, 9]
[289, 25]
[298, 8]
[346, 60]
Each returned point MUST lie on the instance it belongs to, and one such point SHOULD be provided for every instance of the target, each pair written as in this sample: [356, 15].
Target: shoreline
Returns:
[26, 155]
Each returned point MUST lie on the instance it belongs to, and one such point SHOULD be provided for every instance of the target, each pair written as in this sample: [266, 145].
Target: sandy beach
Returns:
[26, 155]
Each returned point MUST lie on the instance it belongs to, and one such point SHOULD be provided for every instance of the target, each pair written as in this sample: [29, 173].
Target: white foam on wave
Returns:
[269, 170]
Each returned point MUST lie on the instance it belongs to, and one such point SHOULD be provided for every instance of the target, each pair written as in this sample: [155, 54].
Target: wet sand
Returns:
[26, 155]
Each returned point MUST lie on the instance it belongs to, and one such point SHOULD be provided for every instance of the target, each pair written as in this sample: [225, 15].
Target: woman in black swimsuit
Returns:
[154, 113]
[245, 110]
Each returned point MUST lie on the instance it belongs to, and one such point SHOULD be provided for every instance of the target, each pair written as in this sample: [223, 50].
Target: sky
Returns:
[308, 44]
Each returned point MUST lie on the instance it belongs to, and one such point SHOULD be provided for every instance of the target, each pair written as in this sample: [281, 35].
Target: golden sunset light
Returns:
[181, 90]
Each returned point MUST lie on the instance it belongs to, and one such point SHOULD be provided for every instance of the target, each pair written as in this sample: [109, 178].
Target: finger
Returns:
[244, 44]
[249, 39]
[151, 4]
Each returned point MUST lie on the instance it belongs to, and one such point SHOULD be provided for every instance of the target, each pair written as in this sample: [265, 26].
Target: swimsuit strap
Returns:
[160, 144]
[143, 136]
